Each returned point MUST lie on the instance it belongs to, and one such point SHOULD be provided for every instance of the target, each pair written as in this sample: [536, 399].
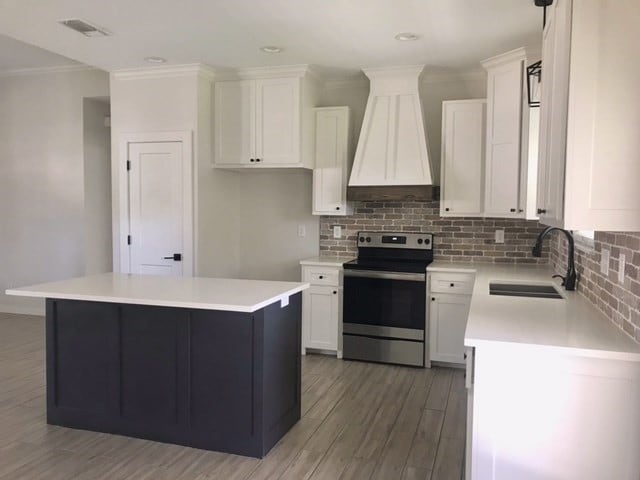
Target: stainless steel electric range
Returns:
[384, 312]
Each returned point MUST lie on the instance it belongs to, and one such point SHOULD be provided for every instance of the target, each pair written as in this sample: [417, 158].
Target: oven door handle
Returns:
[411, 277]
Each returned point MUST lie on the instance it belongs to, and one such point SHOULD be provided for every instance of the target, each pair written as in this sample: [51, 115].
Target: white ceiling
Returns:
[16, 55]
[339, 35]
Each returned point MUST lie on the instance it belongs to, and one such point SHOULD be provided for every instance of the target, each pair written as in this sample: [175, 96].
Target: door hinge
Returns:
[128, 165]
[128, 239]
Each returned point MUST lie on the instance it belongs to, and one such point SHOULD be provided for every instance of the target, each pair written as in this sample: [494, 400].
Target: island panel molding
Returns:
[216, 380]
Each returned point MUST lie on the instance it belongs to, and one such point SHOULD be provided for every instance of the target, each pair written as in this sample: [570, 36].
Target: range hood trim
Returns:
[393, 145]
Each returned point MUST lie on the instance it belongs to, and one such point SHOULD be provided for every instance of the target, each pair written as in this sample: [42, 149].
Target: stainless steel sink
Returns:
[523, 290]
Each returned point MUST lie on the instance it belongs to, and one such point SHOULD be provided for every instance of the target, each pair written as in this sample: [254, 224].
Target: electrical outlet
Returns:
[499, 236]
[302, 231]
[604, 262]
[337, 231]
[621, 266]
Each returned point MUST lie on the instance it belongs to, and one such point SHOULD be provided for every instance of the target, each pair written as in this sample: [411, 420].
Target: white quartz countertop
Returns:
[571, 323]
[325, 261]
[184, 292]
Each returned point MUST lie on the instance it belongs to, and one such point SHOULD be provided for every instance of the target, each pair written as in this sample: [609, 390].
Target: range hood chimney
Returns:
[392, 149]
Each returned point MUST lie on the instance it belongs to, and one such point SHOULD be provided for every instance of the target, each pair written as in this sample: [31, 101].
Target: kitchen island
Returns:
[203, 362]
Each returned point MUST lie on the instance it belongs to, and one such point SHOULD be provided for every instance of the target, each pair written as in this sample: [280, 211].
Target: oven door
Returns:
[384, 304]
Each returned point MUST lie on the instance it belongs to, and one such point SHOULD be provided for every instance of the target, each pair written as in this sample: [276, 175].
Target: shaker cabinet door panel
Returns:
[234, 122]
[463, 134]
[278, 120]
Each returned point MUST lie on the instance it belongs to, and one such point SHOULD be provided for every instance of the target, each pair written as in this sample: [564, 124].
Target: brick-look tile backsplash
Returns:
[455, 239]
[620, 302]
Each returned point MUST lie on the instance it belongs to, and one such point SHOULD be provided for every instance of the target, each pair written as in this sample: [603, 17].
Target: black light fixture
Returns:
[544, 4]
[534, 76]
[534, 71]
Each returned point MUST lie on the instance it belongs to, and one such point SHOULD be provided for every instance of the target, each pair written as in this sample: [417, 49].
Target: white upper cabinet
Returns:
[264, 122]
[463, 134]
[235, 123]
[392, 148]
[589, 141]
[506, 162]
[332, 161]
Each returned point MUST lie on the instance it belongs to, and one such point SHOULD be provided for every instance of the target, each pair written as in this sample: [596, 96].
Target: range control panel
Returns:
[420, 241]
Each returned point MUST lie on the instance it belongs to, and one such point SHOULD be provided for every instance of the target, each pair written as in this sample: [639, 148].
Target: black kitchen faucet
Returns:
[569, 280]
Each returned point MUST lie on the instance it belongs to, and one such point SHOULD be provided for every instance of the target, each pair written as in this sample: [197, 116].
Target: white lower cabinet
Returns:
[547, 413]
[322, 309]
[449, 301]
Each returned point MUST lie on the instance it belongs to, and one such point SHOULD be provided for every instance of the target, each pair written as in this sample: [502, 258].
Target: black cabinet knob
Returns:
[541, 210]
[433, 299]
[446, 209]
[335, 292]
[512, 209]
[257, 159]
[251, 160]
[452, 285]
[337, 208]
[321, 277]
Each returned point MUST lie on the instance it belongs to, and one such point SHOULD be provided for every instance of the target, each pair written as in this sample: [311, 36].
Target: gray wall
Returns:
[42, 194]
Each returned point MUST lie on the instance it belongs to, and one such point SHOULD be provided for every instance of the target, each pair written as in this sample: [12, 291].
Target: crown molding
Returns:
[507, 57]
[170, 71]
[19, 72]
[360, 81]
[267, 72]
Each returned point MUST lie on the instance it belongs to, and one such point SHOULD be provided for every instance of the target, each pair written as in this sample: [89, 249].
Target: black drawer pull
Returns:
[512, 209]
[320, 277]
[541, 210]
[452, 285]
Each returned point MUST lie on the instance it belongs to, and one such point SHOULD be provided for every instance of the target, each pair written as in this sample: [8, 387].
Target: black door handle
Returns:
[176, 257]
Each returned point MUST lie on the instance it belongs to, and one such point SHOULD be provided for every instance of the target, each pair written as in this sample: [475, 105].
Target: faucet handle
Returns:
[564, 280]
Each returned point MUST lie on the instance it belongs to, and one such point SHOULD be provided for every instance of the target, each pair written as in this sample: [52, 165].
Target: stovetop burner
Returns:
[382, 265]
[393, 252]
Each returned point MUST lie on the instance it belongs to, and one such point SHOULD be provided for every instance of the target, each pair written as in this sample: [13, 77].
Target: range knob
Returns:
[419, 241]
[427, 241]
[368, 239]
[361, 239]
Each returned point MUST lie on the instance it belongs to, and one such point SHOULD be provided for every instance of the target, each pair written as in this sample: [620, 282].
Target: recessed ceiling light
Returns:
[407, 37]
[155, 59]
[271, 49]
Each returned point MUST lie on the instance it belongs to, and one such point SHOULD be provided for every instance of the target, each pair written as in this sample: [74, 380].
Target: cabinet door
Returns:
[320, 317]
[448, 320]
[278, 119]
[463, 134]
[330, 172]
[504, 132]
[553, 113]
[234, 122]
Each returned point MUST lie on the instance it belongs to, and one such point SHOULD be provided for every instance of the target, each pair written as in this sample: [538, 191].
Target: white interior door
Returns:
[156, 208]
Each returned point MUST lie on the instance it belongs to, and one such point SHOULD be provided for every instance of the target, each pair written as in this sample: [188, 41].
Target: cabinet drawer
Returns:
[321, 276]
[452, 283]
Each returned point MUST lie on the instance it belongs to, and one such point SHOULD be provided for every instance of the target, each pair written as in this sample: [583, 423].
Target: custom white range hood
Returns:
[392, 149]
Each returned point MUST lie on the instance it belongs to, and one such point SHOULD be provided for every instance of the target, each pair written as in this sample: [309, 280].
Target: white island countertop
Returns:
[183, 292]
[571, 323]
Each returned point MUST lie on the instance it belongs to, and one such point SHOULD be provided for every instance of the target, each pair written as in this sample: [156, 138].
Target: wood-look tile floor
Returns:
[360, 421]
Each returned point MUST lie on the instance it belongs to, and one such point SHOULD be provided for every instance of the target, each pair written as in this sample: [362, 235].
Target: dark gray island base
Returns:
[209, 379]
